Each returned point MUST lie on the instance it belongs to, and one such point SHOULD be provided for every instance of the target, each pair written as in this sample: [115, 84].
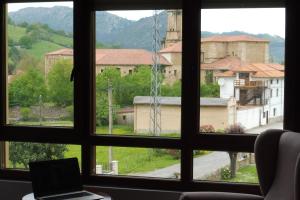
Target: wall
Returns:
[227, 88]
[170, 118]
[217, 116]
[15, 190]
[249, 117]
[50, 60]
[125, 118]
[124, 69]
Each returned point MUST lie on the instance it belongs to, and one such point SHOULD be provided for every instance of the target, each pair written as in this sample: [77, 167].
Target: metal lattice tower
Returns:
[156, 76]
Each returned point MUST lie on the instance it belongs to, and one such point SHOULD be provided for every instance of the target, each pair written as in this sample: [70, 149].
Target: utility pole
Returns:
[110, 123]
[40, 105]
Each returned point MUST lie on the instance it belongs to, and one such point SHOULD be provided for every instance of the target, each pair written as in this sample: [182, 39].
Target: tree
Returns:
[26, 88]
[59, 84]
[24, 152]
[234, 129]
[210, 90]
[136, 84]
[108, 76]
[14, 57]
[26, 42]
[173, 90]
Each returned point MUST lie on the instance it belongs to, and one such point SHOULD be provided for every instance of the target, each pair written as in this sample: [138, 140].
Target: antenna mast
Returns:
[155, 113]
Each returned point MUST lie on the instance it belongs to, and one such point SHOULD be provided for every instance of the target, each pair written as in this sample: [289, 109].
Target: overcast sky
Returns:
[260, 20]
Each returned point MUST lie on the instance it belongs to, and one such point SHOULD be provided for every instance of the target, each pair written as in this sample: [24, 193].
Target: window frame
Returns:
[84, 99]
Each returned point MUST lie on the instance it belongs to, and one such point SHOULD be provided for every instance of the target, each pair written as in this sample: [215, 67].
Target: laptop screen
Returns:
[55, 177]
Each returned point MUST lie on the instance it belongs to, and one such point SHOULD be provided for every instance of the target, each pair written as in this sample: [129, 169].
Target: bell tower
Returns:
[174, 28]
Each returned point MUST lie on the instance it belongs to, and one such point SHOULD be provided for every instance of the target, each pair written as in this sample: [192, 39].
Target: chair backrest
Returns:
[277, 159]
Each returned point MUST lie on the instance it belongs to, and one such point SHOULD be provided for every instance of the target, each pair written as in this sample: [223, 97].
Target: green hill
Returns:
[42, 39]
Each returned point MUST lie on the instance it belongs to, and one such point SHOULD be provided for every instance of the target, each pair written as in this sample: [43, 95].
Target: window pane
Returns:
[161, 163]
[40, 41]
[242, 69]
[19, 154]
[224, 166]
[138, 73]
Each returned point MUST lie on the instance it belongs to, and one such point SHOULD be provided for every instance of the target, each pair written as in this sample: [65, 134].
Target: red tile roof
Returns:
[118, 56]
[222, 64]
[62, 52]
[233, 38]
[259, 70]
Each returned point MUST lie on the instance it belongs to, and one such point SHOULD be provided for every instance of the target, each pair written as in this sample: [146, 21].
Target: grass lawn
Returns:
[131, 160]
[45, 123]
[16, 32]
[128, 130]
[40, 48]
[246, 174]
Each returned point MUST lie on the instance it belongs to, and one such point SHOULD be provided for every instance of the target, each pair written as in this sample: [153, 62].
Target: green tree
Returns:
[108, 76]
[173, 90]
[136, 84]
[26, 42]
[59, 84]
[210, 90]
[26, 88]
[14, 57]
[24, 152]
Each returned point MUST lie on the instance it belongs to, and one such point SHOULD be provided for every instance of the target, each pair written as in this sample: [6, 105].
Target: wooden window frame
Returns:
[84, 98]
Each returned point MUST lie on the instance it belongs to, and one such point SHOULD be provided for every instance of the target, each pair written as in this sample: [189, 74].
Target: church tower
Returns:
[174, 28]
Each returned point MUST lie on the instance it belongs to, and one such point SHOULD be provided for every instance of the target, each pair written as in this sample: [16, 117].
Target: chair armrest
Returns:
[218, 196]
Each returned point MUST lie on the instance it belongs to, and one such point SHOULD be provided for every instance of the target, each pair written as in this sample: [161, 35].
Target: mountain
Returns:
[112, 30]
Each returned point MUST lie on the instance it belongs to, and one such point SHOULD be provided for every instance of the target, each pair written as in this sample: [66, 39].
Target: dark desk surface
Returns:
[31, 197]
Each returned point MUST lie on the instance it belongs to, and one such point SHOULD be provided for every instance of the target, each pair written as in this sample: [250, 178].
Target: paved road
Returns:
[258, 130]
[207, 164]
[203, 166]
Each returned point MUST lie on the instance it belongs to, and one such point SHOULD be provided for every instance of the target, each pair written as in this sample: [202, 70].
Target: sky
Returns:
[259, 20]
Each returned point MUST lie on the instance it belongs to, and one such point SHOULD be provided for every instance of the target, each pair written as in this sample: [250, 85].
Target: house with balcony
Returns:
[258, 89]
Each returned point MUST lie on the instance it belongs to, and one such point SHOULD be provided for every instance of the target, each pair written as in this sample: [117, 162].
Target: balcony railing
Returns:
[247, 83]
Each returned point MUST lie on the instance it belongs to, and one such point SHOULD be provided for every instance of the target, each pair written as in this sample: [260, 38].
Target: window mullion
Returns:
[83, 93]
[3, 54]
[190, 85]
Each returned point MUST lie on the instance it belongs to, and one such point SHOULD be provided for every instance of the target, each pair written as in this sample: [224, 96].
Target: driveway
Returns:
[258, 130]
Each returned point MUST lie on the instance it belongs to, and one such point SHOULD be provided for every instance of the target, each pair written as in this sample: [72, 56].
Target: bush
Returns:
[70, 110]
[174, 153]
[207, 129]
[25, 114]
[235, 129]
[225, 173]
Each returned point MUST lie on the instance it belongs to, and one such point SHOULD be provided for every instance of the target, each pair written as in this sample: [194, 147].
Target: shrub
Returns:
[70, 110]
[207, 129]
[225, 173]
[235, 129]
[25, 113]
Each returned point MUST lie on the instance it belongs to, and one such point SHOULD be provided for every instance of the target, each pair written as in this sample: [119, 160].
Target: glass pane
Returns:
[242, 69]
[138, 72]
[162, 163]
[40, 61]
[224, 166]
[19, 154]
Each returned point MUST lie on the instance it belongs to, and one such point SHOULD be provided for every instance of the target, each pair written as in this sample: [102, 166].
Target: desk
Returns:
[31, 197]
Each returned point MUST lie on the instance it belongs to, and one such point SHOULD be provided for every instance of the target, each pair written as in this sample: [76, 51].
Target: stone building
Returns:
[125, 60]
[174, 28]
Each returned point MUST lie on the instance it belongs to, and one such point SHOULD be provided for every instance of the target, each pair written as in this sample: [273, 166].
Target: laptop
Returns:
[58, 180]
